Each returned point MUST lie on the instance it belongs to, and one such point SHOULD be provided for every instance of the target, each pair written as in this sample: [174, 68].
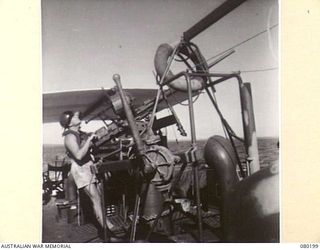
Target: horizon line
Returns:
[261, 137]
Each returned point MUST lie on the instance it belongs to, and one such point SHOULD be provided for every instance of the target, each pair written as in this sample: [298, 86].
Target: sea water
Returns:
[268, 150]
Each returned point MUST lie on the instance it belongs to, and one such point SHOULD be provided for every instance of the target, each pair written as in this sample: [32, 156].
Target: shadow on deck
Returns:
[56, 230]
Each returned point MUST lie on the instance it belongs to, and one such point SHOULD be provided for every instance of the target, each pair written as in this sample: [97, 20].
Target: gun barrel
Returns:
[129, 115]
[211, 18]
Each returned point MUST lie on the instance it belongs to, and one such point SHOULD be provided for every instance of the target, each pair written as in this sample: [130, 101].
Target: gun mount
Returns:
[131, 138]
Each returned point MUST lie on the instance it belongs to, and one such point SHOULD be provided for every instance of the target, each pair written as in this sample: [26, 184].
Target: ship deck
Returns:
[57, 229]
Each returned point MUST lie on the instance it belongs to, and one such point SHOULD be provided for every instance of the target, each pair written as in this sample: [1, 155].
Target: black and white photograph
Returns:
[160, 121]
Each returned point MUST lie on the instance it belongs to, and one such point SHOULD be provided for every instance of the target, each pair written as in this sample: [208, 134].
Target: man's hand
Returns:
[91, 138]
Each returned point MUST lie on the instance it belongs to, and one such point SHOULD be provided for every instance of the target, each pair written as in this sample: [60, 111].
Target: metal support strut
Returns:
[194, 160]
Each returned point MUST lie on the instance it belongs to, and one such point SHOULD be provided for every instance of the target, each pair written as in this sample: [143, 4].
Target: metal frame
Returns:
[250, 139]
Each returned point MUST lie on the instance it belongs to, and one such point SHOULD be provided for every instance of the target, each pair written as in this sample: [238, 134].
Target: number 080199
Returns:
[309, 245]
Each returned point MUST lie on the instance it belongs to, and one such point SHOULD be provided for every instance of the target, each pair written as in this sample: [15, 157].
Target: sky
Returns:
[85, 42]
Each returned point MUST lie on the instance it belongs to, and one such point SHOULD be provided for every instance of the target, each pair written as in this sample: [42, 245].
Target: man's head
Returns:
[69, 119]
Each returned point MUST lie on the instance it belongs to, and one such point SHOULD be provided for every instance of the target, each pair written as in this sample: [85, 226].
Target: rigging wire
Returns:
[247, 40]
[223, 127]
[258, 70]
[237, 45]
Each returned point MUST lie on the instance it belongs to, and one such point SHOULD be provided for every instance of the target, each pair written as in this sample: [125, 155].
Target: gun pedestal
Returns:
[190, 158]
[140, 153]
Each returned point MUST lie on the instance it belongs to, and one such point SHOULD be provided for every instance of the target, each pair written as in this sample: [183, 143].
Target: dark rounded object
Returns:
[254, 209]
[219, 155]
[65, 118]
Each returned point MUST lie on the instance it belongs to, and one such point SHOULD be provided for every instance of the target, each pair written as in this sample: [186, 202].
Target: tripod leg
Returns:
[197, 189]
[140, 199]
[135, 218]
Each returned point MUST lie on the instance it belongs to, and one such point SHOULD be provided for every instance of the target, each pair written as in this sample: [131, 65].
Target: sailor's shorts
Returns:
[83, 175]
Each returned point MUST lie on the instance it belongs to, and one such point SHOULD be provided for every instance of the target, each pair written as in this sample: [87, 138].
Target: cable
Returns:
[223, 127]
[238, 44]
[248, 39]
[258, 70]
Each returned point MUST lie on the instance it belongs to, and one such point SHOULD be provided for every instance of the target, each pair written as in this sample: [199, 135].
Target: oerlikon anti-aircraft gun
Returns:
[131, 139]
